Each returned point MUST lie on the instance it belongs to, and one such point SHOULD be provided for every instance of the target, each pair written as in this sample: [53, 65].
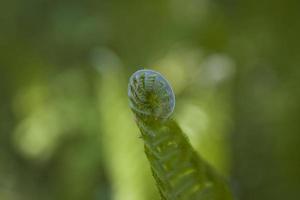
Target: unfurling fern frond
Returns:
[179, 172]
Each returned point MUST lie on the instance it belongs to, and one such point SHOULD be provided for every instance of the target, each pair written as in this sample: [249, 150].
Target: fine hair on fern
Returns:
[180, 173]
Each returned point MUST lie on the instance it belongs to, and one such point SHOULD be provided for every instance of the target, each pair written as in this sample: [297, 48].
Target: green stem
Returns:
[178, 170]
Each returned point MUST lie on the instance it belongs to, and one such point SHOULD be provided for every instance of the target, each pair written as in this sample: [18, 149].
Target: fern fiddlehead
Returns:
[179, 172]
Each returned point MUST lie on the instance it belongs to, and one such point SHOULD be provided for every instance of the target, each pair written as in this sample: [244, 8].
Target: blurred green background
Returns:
[66, 131]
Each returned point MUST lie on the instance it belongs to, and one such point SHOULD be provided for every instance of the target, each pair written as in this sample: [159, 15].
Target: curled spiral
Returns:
[150, 95]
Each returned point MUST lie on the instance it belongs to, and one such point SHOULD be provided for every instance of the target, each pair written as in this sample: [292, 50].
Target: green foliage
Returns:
[178, 170]
[66, 132]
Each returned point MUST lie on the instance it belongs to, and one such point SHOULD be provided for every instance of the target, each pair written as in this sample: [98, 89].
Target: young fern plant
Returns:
[179, 172]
